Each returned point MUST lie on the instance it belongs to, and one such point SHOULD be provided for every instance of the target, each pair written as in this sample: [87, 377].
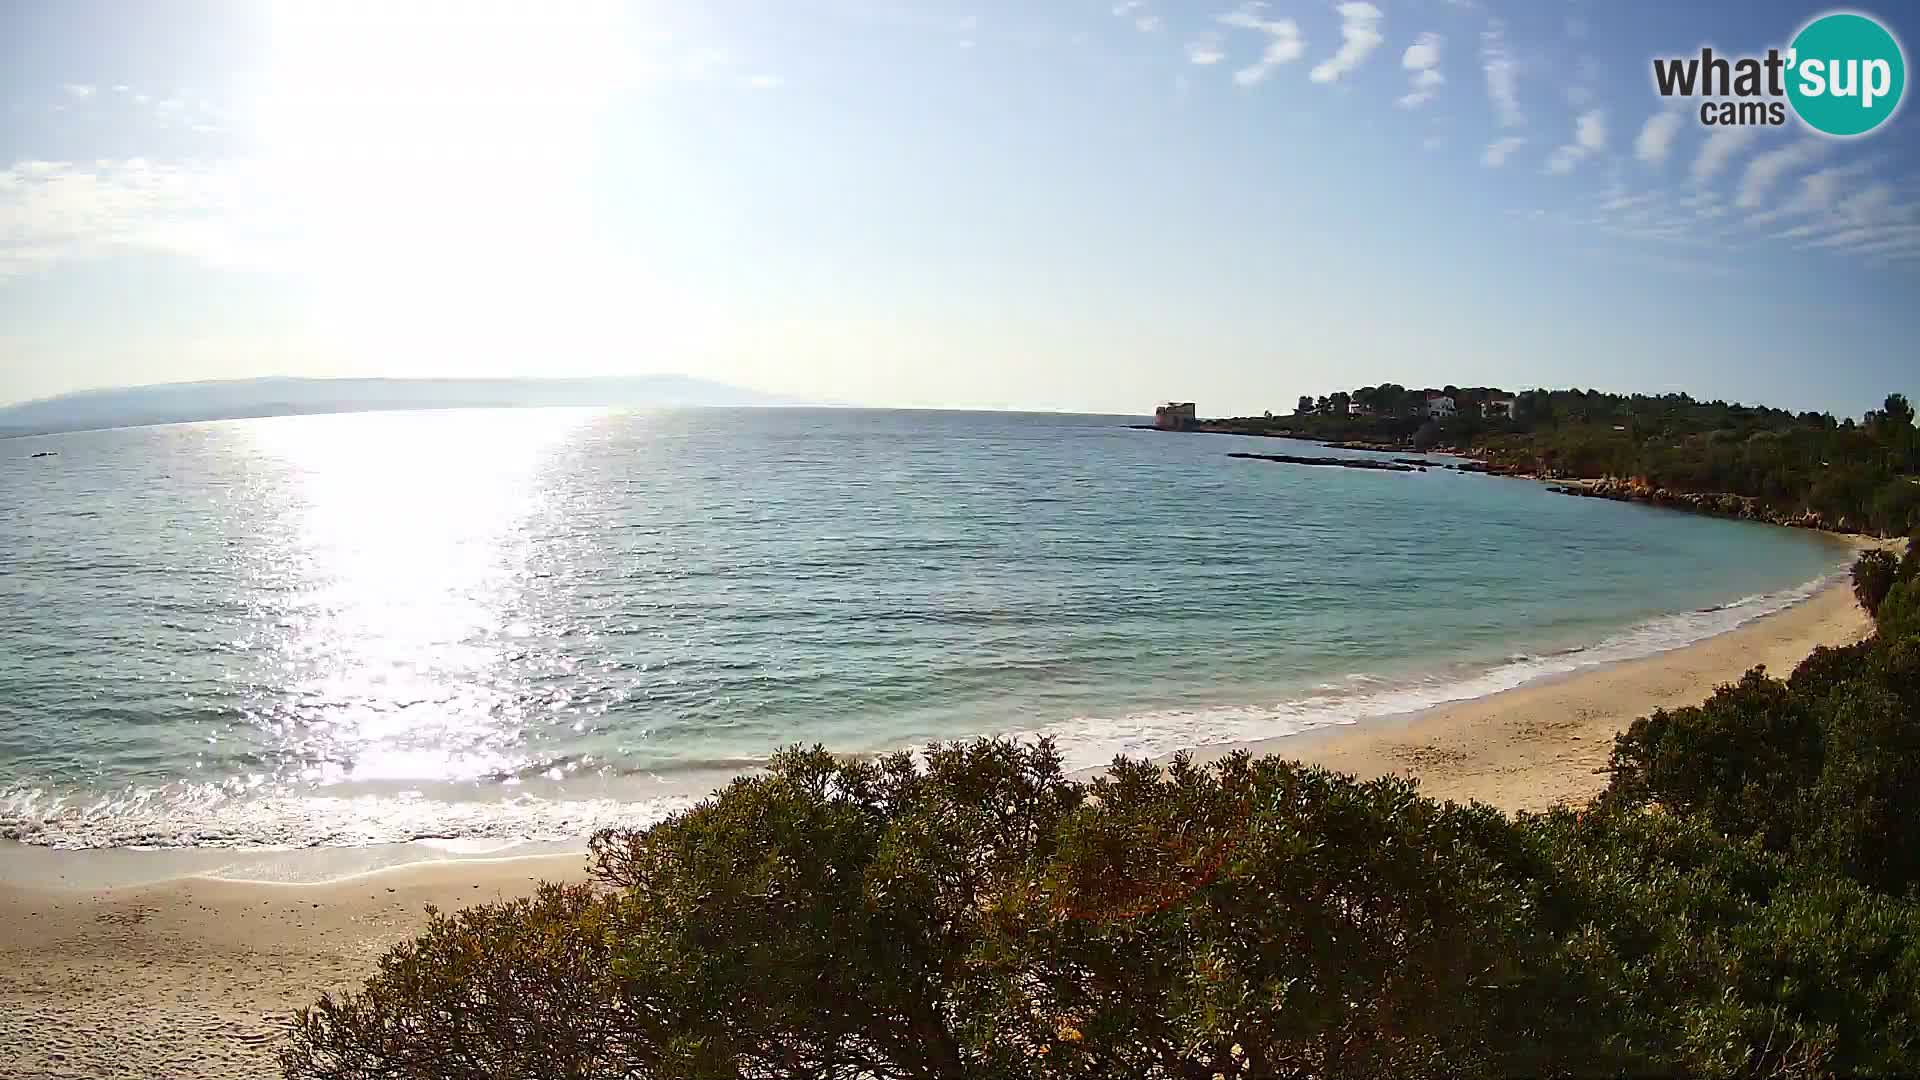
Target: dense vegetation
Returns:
[1859, 476]
[1740, 902]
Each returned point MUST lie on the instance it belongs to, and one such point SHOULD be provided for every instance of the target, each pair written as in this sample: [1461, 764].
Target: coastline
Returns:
[195, 975]
[1547, 742]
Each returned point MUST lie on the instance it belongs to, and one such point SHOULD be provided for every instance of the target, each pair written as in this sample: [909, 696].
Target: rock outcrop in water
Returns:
[1717, 503]
[1343, 463]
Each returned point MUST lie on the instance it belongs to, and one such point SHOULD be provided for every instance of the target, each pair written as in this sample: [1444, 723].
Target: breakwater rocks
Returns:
[1717, 503]
[1343, 463]
[1399, 464]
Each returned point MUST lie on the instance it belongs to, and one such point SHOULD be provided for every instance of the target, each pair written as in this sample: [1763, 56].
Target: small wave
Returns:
[1092, 741]
[287, 822]
[212, 816]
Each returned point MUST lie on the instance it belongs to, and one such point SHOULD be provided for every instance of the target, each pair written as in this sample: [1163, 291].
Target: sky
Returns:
[1040, 204]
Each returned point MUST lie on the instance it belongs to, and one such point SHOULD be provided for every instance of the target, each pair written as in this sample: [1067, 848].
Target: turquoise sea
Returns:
[343, 630]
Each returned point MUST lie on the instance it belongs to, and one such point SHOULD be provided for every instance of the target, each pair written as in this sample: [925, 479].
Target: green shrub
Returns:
[527, 988]
[1860, 810]
[979, 914]
[1899, 614]
[1724, 960]
[1874, 574]
[1819, 982]
[1742, 758]
[1829, 667]
[1323, 927]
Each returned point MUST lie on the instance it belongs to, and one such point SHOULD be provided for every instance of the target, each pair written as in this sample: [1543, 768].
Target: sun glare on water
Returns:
[403, 552]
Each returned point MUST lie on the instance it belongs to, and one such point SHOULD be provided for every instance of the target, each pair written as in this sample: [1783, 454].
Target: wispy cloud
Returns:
[1655, 142]
[1359, 36]
[1422, 58]
[1136, 11]
[1205, 49]
[1719, 150]
[1503, 75]
[1499, 150]
[1622, 202]
[1767, 168]
[1704, 204]
[1589, 138]
[56, 211]
[1871, 204]
[1586, 72]
[1871, 223]
[1284, 45]
[78, 91]
[1819, 193]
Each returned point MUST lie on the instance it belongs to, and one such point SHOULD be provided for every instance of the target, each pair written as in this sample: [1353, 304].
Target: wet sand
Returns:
[194, 977]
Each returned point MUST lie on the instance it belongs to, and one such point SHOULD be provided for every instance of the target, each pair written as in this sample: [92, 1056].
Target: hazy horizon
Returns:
[779, 401]
[1087, 207]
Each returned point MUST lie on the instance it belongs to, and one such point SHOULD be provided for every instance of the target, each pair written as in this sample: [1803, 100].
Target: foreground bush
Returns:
[979, 914]
[1741, 758]
[1899, 614]
[1874, 574]
[986, 917]
[1739, 903]
[520, 989]
[1825, 765]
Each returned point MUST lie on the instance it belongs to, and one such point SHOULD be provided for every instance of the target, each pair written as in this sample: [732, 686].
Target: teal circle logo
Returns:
[1846, 74]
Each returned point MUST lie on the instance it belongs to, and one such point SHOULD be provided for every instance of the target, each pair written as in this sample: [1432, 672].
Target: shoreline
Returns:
[1715, 504]
[1290, 728]
[1547, 742]
[196, 975]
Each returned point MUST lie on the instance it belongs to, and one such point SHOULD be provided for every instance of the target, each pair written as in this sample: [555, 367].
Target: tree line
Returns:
[1740, 902]
[1856, 475]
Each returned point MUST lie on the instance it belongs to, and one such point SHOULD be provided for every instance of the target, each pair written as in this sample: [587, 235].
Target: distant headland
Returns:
[1807, 469]
[176, 403]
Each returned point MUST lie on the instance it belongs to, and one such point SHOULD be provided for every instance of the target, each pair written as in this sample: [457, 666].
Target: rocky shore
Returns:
[1716, 503]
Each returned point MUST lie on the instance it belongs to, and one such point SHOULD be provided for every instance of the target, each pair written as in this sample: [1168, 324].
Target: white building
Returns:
[1439, 405]
[1501, 407]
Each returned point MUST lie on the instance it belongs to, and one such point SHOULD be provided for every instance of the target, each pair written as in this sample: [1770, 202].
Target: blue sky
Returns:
[1085, 206]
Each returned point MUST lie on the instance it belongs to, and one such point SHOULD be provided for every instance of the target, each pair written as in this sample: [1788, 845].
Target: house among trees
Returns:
[1439, 404]
[1175, 416]
[1500, 408]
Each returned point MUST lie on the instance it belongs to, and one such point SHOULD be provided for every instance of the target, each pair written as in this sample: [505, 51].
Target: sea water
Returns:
[525, 624]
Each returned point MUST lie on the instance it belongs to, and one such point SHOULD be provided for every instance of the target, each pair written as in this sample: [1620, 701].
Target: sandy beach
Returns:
[193, 977]
[1545, 743]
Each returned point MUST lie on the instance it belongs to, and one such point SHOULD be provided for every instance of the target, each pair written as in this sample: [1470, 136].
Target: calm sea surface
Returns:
[353, 629]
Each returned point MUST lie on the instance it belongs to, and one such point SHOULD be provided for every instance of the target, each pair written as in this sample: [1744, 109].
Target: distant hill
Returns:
[174, 403]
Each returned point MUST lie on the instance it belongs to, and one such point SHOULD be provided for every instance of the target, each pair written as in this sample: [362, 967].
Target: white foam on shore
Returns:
[205, 816]
[293, 821]
[1091, 741]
